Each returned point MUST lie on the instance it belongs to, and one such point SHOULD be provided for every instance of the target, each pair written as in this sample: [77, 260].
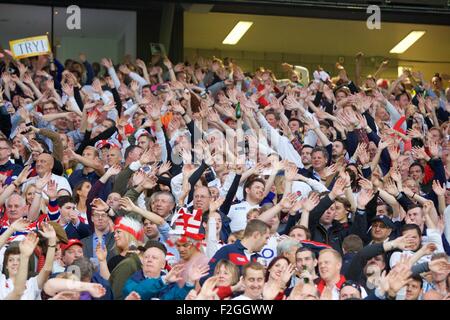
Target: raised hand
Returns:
[146, 157]
[215, 205]
[196, 272]
[107, 63]
[433, 146]
[92, 117]
[428, 207]
[290, 173]
[428, 249]
[364, 197]
[209, 290]
[126, 204]
[439, 266]
[338, 188]
[390, 187]
[67, 89]
[364, 183]
[23, 175]
[329, 171]
[96, 290]
[402, 242]
[99, 205]
[174, 274]
[20, 225]
[28, 245]
[150, 181]
[438, 189]
[166, 166]
[101, 252]
[363, 155]
[394, 152]
[47, 231]
[52, 190]
[287, 274]
[42, 182]
[288, 201]
[311, 202]
[419, 153]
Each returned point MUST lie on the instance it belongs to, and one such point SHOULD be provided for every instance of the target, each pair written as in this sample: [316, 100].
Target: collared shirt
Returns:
[94, 246]
[336, 288]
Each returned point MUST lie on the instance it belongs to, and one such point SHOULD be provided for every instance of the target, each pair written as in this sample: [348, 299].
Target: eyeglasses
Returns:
[100, 215]
[379, 225]
[351, 284]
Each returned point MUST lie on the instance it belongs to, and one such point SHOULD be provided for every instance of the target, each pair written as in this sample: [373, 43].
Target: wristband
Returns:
[53, 246]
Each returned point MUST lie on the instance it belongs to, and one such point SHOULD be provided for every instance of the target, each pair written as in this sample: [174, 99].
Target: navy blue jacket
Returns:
[82, 231]
[233, 252]
[10, 170]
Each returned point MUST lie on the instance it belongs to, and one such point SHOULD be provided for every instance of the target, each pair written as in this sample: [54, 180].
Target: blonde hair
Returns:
[230, 267]
[27, 188]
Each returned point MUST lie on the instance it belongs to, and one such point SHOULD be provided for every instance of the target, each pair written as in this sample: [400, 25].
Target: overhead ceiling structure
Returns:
[315, 36]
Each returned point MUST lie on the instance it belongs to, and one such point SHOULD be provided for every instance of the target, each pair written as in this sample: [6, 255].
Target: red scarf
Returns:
[321, 285]
[41, 259]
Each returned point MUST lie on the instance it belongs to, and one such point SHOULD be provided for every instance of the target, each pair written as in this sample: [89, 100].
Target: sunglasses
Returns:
[351, 284]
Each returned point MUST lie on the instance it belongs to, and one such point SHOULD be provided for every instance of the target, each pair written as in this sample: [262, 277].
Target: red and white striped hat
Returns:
[187, 225]
[130, 225]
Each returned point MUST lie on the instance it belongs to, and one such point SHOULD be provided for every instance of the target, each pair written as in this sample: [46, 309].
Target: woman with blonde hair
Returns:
[228, 279]
[128, 236]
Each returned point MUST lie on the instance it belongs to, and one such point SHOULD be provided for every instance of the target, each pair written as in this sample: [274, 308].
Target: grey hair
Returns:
[167, 193]
[22, 199]
[286, 245]
[85, 266]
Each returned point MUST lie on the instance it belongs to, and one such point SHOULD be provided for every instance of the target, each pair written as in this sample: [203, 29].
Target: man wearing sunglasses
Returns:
[350, 290]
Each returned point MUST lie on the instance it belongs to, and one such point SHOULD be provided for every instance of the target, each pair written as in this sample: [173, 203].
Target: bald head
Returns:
[44, 164]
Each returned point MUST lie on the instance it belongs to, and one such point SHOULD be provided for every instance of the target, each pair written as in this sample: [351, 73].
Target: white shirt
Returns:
[32, 291]
[61, 182]
[238, 215]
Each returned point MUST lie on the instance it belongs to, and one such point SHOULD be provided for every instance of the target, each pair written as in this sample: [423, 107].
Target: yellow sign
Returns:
[30, 47]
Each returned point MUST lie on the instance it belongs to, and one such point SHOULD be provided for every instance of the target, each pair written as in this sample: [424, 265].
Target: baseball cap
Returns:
[385, 219]
[70, 243]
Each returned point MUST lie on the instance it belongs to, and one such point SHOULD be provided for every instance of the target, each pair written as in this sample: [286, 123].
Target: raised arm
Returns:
[128, 205]
[26, 247]
[48, 233]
